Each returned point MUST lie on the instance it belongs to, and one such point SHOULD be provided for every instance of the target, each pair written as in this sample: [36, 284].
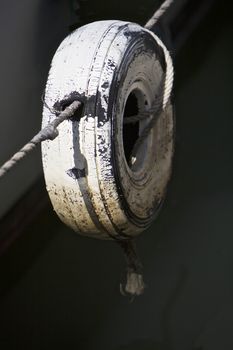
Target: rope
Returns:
[134, 279]
[134, 282]
[50, 132]
[159, 105]
[158, 14]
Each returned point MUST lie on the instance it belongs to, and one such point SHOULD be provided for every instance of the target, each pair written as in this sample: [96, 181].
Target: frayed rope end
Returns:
[134, 285]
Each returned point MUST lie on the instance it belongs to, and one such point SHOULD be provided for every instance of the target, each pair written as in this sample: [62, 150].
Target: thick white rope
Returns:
[169, 74]
[159, 105]
[158, 14]
[134, 283]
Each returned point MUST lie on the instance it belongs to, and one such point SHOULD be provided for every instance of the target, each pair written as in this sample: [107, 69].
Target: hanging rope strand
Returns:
[134, 280]
[134, 283]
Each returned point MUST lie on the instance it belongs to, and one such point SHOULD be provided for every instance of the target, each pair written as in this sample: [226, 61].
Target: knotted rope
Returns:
[50, 132]
[134, 282]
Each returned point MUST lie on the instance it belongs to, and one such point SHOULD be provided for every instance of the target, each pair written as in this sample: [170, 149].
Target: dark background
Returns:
[59, 290]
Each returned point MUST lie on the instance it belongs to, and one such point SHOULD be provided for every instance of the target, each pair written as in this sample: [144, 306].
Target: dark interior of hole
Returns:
[130, 131]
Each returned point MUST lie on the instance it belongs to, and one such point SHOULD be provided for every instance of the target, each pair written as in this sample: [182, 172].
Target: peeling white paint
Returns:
[89, 62]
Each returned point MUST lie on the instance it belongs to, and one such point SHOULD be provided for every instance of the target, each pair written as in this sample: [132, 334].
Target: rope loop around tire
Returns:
[100, 182]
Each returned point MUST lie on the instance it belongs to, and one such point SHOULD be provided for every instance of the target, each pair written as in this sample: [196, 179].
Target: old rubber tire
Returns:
[116, 69]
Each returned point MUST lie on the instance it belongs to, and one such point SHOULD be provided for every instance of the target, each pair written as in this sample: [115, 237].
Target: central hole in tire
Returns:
[130, 131]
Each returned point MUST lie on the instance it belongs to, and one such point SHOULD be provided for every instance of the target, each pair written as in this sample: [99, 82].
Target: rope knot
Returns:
[134, 285]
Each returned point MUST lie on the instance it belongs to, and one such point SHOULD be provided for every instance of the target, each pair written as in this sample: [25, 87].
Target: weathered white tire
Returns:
[115, 68]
